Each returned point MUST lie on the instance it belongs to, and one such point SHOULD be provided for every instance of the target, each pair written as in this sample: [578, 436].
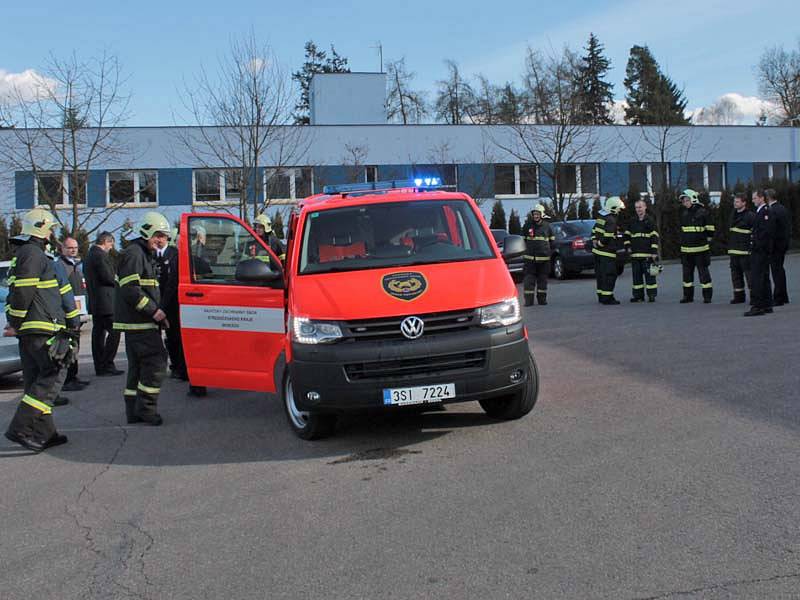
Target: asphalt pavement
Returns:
[661, 461]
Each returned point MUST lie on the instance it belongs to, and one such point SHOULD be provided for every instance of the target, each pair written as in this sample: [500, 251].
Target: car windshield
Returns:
[499, 235]
[392, 234]
[578, 228]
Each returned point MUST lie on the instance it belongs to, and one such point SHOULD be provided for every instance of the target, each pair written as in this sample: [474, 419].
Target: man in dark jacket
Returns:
[36, 317]
[69, 261]
[604, 247]
[167, 261]
[138, 312]
[100, 284]
[697, 231]
[783, 233]
[762, 247]
[642, 237]
[538, 238]
[740, 233]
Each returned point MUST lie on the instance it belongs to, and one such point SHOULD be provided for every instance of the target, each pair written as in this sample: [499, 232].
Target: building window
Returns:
[516, 180]
[447, 174]
[588, 177]
[370, 174]
[649, 178]
[567, 179]
[766, 172]
[232, 184]
[293, 183]
[57, 189]
[132, 187]
[706, 176]
[207, 184]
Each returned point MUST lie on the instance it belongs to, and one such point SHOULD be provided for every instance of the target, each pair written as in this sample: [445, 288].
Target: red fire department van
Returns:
[393, 294]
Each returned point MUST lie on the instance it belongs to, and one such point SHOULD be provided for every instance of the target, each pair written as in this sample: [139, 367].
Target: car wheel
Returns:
[306, 425]
[518, 404]
[559, 272]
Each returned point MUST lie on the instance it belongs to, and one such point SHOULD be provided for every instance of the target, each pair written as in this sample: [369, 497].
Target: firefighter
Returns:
[739, 233]
[697, 231]
[642, 238]
[604, 247]
[36, 317]
[263, 227]
[138, 313]
[762, 247]
[537, 257]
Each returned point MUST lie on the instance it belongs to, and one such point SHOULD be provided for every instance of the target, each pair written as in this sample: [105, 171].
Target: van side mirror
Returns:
[513, 247]
[254, 270]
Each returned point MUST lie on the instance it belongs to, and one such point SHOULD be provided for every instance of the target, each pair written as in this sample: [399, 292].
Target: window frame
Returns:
[786, 176]
[66, 196]
[707, 177]
[650, 191]
[518, 181]
[137, 189]
[291, 173]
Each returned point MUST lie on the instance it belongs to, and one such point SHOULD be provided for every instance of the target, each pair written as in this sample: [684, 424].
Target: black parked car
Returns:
[516, 265]
[572, 249]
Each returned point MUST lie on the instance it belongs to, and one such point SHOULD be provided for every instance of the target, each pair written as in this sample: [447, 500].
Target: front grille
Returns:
[411, 367]
[389, 328]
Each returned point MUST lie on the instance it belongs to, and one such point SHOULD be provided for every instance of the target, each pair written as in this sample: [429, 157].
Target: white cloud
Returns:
[27, 85]
[731, 109]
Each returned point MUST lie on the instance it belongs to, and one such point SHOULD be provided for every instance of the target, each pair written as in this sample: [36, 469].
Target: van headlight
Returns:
[306, 331]
[502, 314]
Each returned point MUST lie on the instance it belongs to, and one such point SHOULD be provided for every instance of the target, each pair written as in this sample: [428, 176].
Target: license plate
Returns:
[422, 394]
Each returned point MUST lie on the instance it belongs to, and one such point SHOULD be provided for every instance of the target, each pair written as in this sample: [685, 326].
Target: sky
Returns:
[709, 48]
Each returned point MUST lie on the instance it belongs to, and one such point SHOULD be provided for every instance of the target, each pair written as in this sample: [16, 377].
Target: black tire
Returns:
[306, 425]
[518, 404]
[559, 270]
[199, 391]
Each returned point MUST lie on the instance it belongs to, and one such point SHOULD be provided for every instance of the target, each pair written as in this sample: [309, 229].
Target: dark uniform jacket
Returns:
[271, 240]
[100, 282]
[783, 226]
[697, 230]
[740, 232]
[73, 273]
[137, 298]
[763, 231]
[642, 238]
[537, 240]
[168, 279]
[604, 236]
[34, 304]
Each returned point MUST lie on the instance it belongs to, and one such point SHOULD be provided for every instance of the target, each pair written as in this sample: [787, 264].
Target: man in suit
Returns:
[68, 259]
[167, 262]
[763, 243]
[100, 284]
[783, 233]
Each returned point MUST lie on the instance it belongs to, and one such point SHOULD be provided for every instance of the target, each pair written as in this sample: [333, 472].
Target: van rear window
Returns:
[393, 234]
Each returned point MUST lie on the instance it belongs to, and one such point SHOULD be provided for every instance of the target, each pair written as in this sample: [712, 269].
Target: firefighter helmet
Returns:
[614, 204]
[38, 223]
[691, 195]
[539, 208]
[655, 269]
[265, 222]
[153, 223]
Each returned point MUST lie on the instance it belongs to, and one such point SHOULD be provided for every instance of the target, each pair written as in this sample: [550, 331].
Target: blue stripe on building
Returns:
[175, 187]
[23, 189]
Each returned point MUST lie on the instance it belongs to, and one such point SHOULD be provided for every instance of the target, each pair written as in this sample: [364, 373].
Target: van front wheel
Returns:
[518, 404]
[306, 425]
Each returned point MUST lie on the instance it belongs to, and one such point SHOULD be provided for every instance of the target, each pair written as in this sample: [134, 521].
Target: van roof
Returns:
[329, 201]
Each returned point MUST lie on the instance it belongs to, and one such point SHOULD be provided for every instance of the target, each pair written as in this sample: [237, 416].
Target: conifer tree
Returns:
[653, 98]
[595, 93]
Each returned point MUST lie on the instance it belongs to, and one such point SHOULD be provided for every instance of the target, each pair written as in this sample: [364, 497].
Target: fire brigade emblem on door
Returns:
[405, 286]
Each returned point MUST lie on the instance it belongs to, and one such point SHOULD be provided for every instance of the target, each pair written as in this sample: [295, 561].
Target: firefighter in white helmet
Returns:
[538, 240]
[605, 244]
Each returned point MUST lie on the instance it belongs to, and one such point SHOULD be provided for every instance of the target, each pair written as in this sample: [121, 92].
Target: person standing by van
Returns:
[537, 257]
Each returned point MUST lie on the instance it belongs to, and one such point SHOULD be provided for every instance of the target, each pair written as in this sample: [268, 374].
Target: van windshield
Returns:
[393, 234]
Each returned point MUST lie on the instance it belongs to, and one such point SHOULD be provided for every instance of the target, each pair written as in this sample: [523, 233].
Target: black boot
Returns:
[130, 410]
[146, 411]
[541, 299]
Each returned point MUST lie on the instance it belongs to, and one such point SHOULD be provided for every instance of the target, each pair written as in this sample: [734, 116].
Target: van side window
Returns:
[216, 246]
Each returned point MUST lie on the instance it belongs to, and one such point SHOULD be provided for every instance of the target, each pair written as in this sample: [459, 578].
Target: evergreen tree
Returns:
[277, 224]
[595, 94]
[5, 245]
[514, 225]
[653, 98]
[498, 218]
[583, 209]
[316, 61]
[15, 228]
[596, 207]
[510, 105]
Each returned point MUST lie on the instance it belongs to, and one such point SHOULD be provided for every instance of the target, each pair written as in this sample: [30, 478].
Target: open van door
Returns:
[232, 304]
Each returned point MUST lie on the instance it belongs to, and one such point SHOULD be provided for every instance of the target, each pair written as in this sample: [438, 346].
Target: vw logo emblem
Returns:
[412, 327]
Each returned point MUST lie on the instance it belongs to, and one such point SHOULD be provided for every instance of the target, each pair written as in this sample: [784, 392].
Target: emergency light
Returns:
[348, 188]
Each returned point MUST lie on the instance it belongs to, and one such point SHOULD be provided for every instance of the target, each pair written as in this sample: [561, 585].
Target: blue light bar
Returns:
[419, 182]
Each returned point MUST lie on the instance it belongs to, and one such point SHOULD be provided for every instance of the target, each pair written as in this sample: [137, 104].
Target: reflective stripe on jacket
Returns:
[604, 236]
[740, 233]
[537, 241]
[642, 238]
[137, 294]
[697, 230]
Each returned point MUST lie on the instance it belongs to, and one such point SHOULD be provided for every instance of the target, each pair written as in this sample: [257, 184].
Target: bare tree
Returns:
[403, 105]
[62, 128]
[455, 97]
[722, 112]
[242, 115]
[779, 82]
[550, 135]
[354, 161]
[484, 109]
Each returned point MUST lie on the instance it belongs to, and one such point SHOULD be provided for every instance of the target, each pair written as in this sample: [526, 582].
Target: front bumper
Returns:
[352, 376]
